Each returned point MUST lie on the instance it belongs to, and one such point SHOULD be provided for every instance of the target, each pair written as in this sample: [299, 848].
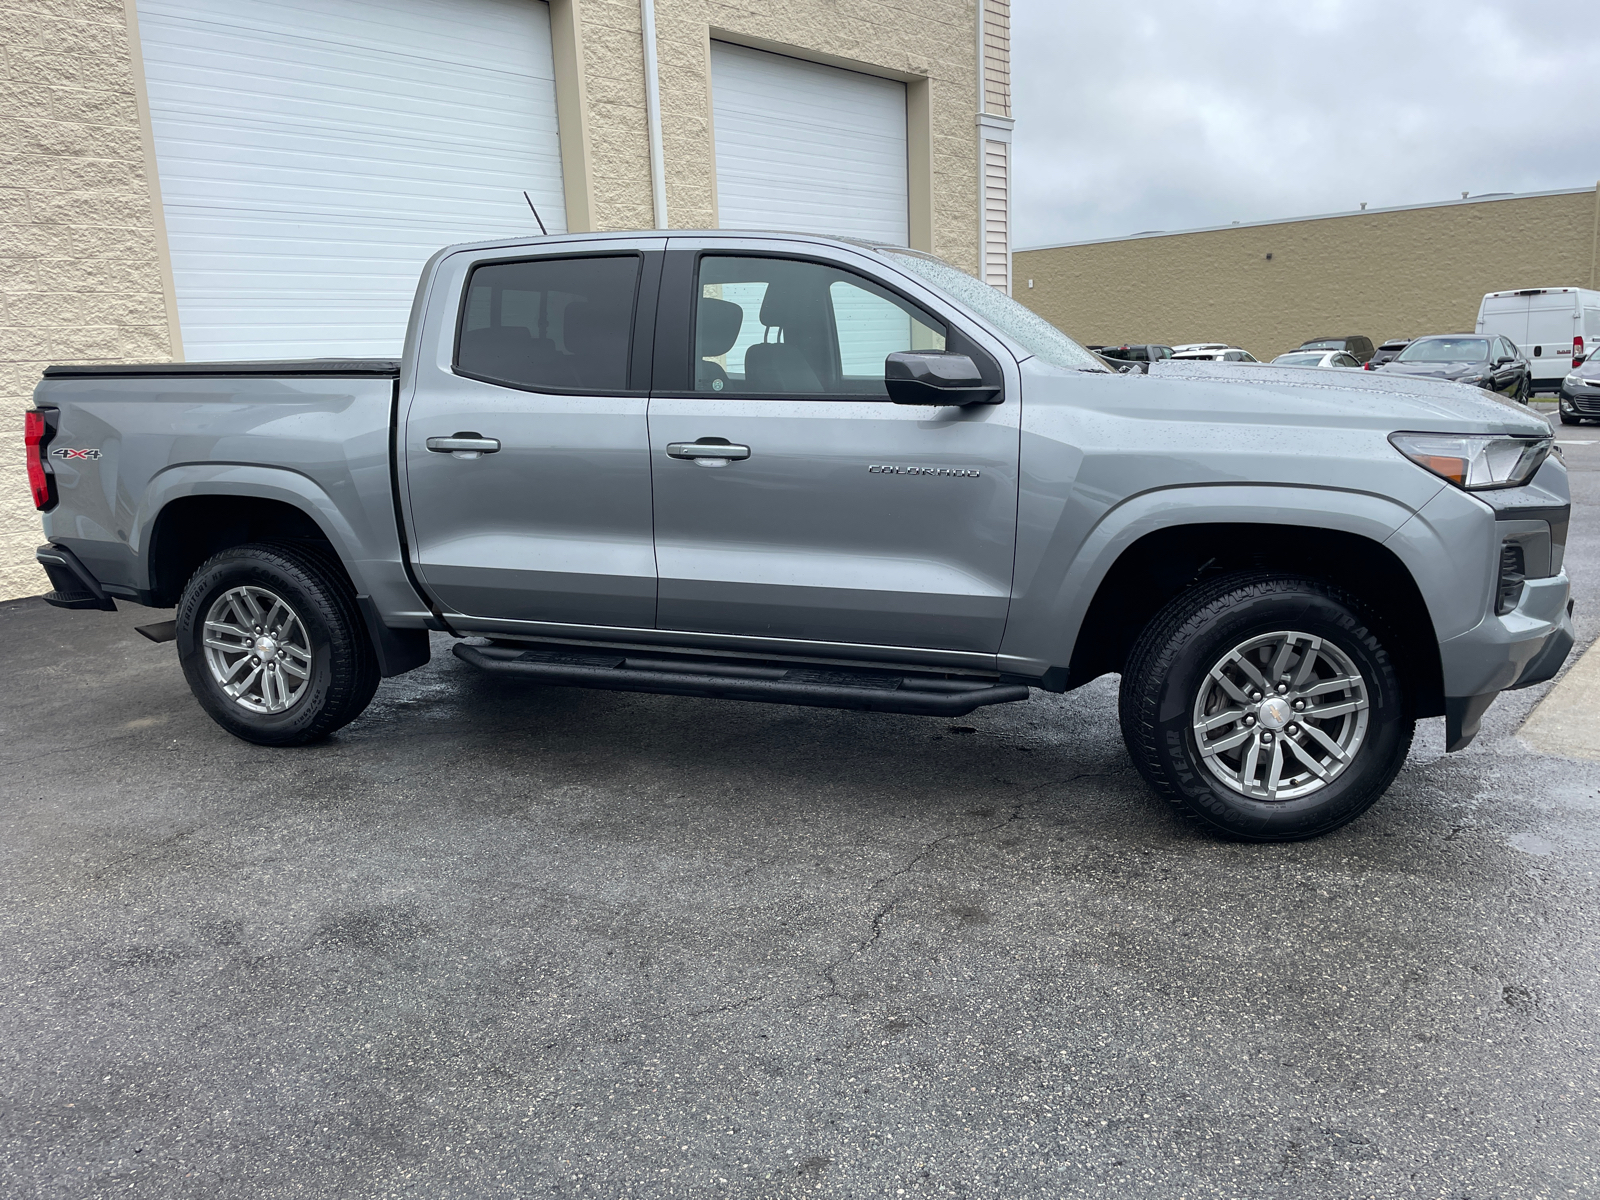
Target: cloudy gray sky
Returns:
[1170, 115]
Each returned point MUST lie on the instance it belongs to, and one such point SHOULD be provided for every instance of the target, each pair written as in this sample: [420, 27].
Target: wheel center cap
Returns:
[1275, 713]
[266, 649]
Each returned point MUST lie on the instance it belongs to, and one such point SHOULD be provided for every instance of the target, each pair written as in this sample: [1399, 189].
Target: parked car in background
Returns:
[1191, 346]
[1217, 354]
[1552, 328]
[1388, 352]
[1141, 352]
[1491, 363]
[1357, 345]
[1316, 358]
[1579, 395]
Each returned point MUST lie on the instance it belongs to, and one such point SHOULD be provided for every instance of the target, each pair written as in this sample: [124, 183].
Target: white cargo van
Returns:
[1553, 328]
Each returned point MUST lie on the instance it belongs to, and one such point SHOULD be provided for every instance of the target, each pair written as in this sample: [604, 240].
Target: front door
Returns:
[526, 454]
[793, 499]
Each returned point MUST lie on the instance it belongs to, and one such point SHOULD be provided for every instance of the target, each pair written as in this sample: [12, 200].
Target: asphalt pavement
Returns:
[496, 940]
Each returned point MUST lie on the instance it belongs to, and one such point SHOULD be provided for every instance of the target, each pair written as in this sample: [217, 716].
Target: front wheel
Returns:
[1267, 706]
[1570, 420]
[273, 645]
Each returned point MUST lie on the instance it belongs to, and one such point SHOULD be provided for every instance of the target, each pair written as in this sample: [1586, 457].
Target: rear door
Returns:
[825, 512]
[526, 454]
[1552, 320]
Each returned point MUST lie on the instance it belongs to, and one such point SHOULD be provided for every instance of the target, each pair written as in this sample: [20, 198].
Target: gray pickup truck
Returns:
[816, 471]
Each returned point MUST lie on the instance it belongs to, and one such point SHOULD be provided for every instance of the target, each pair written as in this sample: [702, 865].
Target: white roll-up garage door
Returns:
[806, 147]
[313, 153]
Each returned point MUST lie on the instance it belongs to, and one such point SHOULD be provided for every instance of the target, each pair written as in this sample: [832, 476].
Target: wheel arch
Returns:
[1161, 564]
[190, 519]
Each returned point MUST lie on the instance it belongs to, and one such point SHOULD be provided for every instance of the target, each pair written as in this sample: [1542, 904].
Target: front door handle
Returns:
[468, 445]
[707, 450]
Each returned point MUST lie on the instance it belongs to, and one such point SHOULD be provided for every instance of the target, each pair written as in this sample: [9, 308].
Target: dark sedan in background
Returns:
[1357, 345]
[1143, 352]
[1579, 397]
[1388, 352]
[1488, 362]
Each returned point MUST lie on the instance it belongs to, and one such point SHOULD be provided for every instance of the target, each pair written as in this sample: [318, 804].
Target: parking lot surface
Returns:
[503, 940]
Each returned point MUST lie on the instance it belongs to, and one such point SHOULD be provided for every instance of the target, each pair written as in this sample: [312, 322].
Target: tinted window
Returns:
[559, 324]
[772, 326]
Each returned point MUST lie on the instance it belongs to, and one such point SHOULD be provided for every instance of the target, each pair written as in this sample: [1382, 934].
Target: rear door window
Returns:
[552, 324]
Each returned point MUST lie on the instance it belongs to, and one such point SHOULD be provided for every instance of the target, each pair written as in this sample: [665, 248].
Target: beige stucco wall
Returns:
[83, 274]
[1384, 274]
[80, 276]
[934, 40]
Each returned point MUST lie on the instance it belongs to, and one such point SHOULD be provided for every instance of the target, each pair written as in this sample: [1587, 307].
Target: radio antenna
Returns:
[542, 230]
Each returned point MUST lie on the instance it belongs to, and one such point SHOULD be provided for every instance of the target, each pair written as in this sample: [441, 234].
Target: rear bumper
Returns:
[1522, 648]
[74, 585]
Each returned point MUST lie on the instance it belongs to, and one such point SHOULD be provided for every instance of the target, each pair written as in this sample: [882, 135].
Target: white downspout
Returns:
[652, 105]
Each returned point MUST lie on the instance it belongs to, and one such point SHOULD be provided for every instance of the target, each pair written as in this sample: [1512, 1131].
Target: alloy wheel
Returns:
[1281, 716]
[257, 650]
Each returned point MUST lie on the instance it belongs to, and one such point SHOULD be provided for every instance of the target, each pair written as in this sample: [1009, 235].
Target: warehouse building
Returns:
[1267, 286]
[254, 179]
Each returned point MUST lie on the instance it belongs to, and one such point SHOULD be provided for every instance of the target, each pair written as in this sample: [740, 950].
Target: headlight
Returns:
[1475, 461]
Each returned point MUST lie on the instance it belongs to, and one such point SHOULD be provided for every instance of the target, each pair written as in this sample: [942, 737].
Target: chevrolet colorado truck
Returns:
[817, 471]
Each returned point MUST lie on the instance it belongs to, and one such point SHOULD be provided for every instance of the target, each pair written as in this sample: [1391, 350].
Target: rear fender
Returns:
[259, 483]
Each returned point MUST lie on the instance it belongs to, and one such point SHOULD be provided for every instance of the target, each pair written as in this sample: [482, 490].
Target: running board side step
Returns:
[774, 682]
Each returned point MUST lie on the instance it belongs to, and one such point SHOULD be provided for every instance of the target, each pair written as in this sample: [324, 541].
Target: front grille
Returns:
[1513, 571]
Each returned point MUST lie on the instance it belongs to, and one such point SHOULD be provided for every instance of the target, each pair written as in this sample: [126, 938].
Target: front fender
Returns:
[1049, 608]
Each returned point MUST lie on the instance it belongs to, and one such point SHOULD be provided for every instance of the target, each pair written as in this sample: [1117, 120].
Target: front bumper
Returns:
[1522, 648]
[1578, 400]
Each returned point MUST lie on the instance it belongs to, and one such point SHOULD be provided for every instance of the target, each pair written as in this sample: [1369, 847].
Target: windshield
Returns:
[1298, 360]
[1326, 344]
[1021, 325]
[1452, 349]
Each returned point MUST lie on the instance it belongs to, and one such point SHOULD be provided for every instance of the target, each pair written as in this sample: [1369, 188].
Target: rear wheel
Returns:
[1266, 706]
[273, 644]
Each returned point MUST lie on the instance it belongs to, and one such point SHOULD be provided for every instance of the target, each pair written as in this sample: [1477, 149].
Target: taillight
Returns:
[1577, 350]
[36, 436]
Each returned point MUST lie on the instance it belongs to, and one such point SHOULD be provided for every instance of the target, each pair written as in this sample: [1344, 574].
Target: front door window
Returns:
[780, 327]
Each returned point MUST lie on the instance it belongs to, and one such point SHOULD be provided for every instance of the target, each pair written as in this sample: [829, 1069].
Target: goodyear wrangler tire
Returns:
[1267, 706]
[273, 644]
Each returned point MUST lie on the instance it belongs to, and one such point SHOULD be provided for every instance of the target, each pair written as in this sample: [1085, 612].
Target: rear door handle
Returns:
[704, 450]
[468, 443]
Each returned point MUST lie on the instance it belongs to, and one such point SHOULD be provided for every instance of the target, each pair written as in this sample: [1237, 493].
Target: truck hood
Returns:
[1382, 400]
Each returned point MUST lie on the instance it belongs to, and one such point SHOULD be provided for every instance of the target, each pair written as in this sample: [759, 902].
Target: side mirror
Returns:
[932, 377]
[1500, 362]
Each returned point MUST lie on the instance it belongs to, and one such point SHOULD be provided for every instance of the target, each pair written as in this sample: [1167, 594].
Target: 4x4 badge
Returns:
[65, 452]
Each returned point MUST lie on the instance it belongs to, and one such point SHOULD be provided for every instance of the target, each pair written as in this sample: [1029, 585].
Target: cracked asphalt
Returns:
[496, 940]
